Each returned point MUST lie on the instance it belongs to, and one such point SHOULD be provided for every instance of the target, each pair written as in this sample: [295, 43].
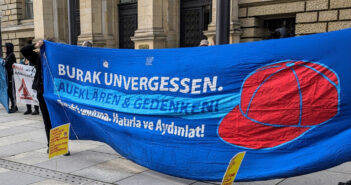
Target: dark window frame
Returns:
[272, 24]
[28, 9]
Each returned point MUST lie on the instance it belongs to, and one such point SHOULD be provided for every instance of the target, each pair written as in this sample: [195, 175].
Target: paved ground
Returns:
[23, 160]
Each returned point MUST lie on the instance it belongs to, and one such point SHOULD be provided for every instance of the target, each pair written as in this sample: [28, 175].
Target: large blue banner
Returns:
[186, 112]
[4, 99]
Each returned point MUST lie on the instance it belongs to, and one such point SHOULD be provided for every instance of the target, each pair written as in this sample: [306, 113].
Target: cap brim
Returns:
[241, 131]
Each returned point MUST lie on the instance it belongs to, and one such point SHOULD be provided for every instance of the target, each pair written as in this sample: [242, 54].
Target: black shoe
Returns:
[35, 113]
[27, 112]
[67, 154]
[14, 109]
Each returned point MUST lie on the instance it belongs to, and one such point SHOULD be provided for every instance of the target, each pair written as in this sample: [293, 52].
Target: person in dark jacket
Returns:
[9, 61]
[29, 106]
[34, 58]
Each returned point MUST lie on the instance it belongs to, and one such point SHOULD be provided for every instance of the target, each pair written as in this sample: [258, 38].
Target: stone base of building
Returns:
[149, 39]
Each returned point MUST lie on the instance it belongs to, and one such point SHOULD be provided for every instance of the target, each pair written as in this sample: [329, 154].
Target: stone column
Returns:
[43, 19]
[50, 19]
[235, 26]
[211, 31]
[109, 22]
[60, 20]
[150, 33]
[171, 19]
[95, 17]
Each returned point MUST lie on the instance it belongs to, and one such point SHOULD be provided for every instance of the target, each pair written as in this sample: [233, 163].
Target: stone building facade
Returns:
[17, 24]
[147, 24]
[304, 17]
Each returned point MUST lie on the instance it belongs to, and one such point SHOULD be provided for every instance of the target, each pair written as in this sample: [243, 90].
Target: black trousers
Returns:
[10, 91]
[29, 107]
[45, 114]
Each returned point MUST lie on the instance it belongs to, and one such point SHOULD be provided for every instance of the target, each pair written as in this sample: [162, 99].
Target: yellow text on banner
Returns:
[233, 168]
[59, 140]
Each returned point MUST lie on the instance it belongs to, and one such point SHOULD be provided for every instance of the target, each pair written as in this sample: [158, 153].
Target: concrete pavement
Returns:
[23, 160]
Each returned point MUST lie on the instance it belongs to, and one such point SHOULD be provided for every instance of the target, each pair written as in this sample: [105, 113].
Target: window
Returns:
[280, 28]
[28, 9]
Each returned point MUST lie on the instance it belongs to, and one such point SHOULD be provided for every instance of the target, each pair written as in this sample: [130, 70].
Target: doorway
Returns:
[195, 15]
[128, 22]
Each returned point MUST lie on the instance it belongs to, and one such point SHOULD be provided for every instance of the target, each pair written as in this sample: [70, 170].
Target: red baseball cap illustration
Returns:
[279, 103]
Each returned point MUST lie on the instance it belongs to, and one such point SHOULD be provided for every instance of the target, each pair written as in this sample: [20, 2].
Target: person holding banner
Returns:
[34, 58]
[8, 61]
[29, 106]
[38, 85]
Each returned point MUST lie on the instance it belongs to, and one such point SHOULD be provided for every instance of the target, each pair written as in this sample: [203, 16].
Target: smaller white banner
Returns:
[23, 77]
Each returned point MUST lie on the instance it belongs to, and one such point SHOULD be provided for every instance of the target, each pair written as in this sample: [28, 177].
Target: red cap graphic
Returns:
[279, 103]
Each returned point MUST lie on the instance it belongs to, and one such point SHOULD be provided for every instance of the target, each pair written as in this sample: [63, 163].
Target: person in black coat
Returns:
[34, 58]
[38, 85]
[8, 62]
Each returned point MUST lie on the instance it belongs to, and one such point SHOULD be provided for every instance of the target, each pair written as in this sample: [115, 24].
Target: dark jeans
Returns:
[10, 91]
[45, 114]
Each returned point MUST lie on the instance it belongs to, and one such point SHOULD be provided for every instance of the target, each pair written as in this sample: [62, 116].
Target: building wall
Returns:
[158, 24]
[50, 20]
[99, 22]
[312, 16]
[159, 20]
[14, 27]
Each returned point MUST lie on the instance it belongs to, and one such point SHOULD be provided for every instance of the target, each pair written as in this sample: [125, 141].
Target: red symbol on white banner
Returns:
[26, 94]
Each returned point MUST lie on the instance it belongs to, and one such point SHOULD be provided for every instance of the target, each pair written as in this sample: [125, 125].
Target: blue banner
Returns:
[187, 111]
[4, 99]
